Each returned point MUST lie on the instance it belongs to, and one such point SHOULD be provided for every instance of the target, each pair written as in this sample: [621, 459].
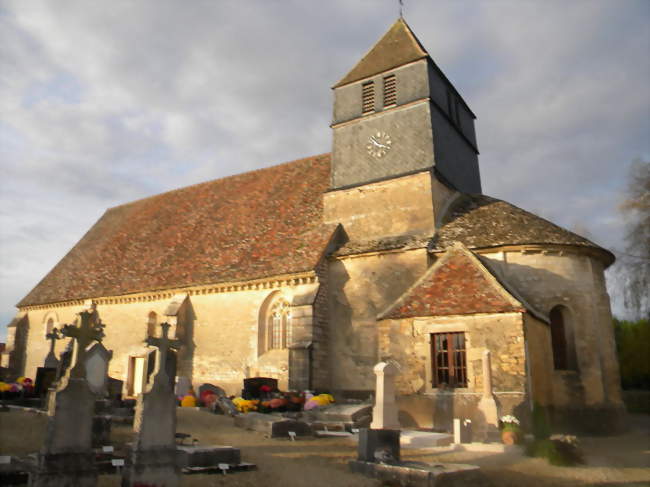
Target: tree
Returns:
[635, 260]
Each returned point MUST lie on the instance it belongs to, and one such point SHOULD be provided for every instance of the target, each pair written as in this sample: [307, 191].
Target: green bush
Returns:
[556, 452]
[632, 345]
[541, 426]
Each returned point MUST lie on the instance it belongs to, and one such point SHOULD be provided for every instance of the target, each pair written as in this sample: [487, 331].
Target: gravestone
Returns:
[385, 412]
[64, 361]
[153, 458]
[489, 426]
[97, 359]
[66, 457]
[253, 385]
[183, 386]
[45, 378]
[50, 360]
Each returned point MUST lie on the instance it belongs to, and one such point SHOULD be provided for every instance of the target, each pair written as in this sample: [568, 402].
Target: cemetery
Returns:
[71, 427]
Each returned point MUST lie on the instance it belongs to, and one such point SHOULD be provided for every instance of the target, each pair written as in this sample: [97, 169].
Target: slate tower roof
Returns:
[397, 47]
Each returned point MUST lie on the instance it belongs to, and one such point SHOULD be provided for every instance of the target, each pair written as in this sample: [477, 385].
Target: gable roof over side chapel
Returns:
[459, 283]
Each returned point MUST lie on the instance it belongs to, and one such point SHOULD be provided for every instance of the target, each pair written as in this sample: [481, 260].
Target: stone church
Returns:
[314, 270]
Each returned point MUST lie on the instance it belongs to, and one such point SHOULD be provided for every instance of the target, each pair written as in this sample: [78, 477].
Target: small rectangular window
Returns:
[390, 91]
[448, 360]
[368, 97]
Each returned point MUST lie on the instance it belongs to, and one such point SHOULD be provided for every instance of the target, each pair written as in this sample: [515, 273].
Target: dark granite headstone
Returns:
[45, 377]
[376, 445]
[252, 386]
[101, 431]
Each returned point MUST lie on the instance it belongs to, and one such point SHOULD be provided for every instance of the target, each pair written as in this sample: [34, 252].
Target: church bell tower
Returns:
[396, 113]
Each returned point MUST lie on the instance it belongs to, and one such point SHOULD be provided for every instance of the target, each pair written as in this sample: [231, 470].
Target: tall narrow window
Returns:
[152, 324]
[390, 91]
[449, 362]
[280, 325]
[368, 97]
[562, 339]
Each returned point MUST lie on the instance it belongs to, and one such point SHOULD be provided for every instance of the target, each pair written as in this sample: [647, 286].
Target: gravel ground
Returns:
[611, 461]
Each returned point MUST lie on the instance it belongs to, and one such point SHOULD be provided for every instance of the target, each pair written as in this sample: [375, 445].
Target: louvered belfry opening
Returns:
[368, 97]
[390, 91]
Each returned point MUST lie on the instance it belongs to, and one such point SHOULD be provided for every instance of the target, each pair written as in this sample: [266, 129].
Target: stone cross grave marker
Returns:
[384, 414]
[50, 360]
[153, 456]
[66, 457]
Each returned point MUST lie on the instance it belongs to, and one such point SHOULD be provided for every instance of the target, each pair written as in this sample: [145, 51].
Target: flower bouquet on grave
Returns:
[511, 432]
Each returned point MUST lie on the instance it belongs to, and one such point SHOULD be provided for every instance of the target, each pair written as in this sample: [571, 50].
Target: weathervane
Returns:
[401, 7]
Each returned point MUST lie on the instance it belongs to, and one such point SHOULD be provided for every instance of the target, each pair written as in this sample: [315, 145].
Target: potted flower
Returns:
[510, 430]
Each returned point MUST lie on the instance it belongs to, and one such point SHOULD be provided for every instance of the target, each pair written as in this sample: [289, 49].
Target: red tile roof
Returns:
[257, 224]
[457, 284]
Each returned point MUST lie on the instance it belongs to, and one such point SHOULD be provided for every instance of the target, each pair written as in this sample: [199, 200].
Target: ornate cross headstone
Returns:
[50, 360]
[153, 456]
[66, 457]
[164, 343]
[90, 329]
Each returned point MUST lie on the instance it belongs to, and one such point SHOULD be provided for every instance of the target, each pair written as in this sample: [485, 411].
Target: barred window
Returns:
[390, 91]
[368, 97]
[449, 363]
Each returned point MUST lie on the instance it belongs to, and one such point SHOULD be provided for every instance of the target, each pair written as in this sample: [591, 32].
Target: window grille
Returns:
[390, 91]
[368, 97]
[449, 362]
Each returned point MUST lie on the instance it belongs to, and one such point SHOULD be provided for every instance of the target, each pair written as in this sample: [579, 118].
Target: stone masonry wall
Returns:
[220, 337]
[575, 281]
[408, 342]
[359, 289]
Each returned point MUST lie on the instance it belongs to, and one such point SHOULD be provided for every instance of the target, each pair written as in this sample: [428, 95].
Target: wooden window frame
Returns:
[456, 365]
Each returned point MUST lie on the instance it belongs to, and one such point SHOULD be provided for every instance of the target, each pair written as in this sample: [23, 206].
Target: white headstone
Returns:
[384, 414]
[97, 359]
[183, 386]
[487, 405]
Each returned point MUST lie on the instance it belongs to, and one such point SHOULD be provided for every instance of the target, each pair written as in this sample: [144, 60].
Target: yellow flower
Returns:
[188, 402]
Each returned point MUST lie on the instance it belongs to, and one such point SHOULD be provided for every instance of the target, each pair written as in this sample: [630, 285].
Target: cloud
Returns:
[103, 103]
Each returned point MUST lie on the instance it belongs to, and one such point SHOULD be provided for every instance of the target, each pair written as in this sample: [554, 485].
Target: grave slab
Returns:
[412, 439]
[347, 413]
[207, 456]
[422, 475]
[273, 426]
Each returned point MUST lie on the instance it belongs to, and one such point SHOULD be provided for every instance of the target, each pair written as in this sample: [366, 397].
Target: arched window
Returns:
[50, 321]
[562, 339]
[152, 324]
[279, 325]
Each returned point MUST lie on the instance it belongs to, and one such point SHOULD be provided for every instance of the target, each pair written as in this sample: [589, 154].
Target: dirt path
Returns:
[613, 461]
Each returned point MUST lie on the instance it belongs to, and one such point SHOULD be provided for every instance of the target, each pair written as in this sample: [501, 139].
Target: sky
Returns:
[102, 103]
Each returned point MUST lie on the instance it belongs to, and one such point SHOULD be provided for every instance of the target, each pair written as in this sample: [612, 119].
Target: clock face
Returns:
[379, 144]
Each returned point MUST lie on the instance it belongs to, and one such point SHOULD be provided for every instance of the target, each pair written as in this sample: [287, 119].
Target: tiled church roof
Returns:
[457, 284]
[479, 221]
[252, 225]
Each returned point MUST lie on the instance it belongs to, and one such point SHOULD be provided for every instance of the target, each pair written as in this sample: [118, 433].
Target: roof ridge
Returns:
[224, 178]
